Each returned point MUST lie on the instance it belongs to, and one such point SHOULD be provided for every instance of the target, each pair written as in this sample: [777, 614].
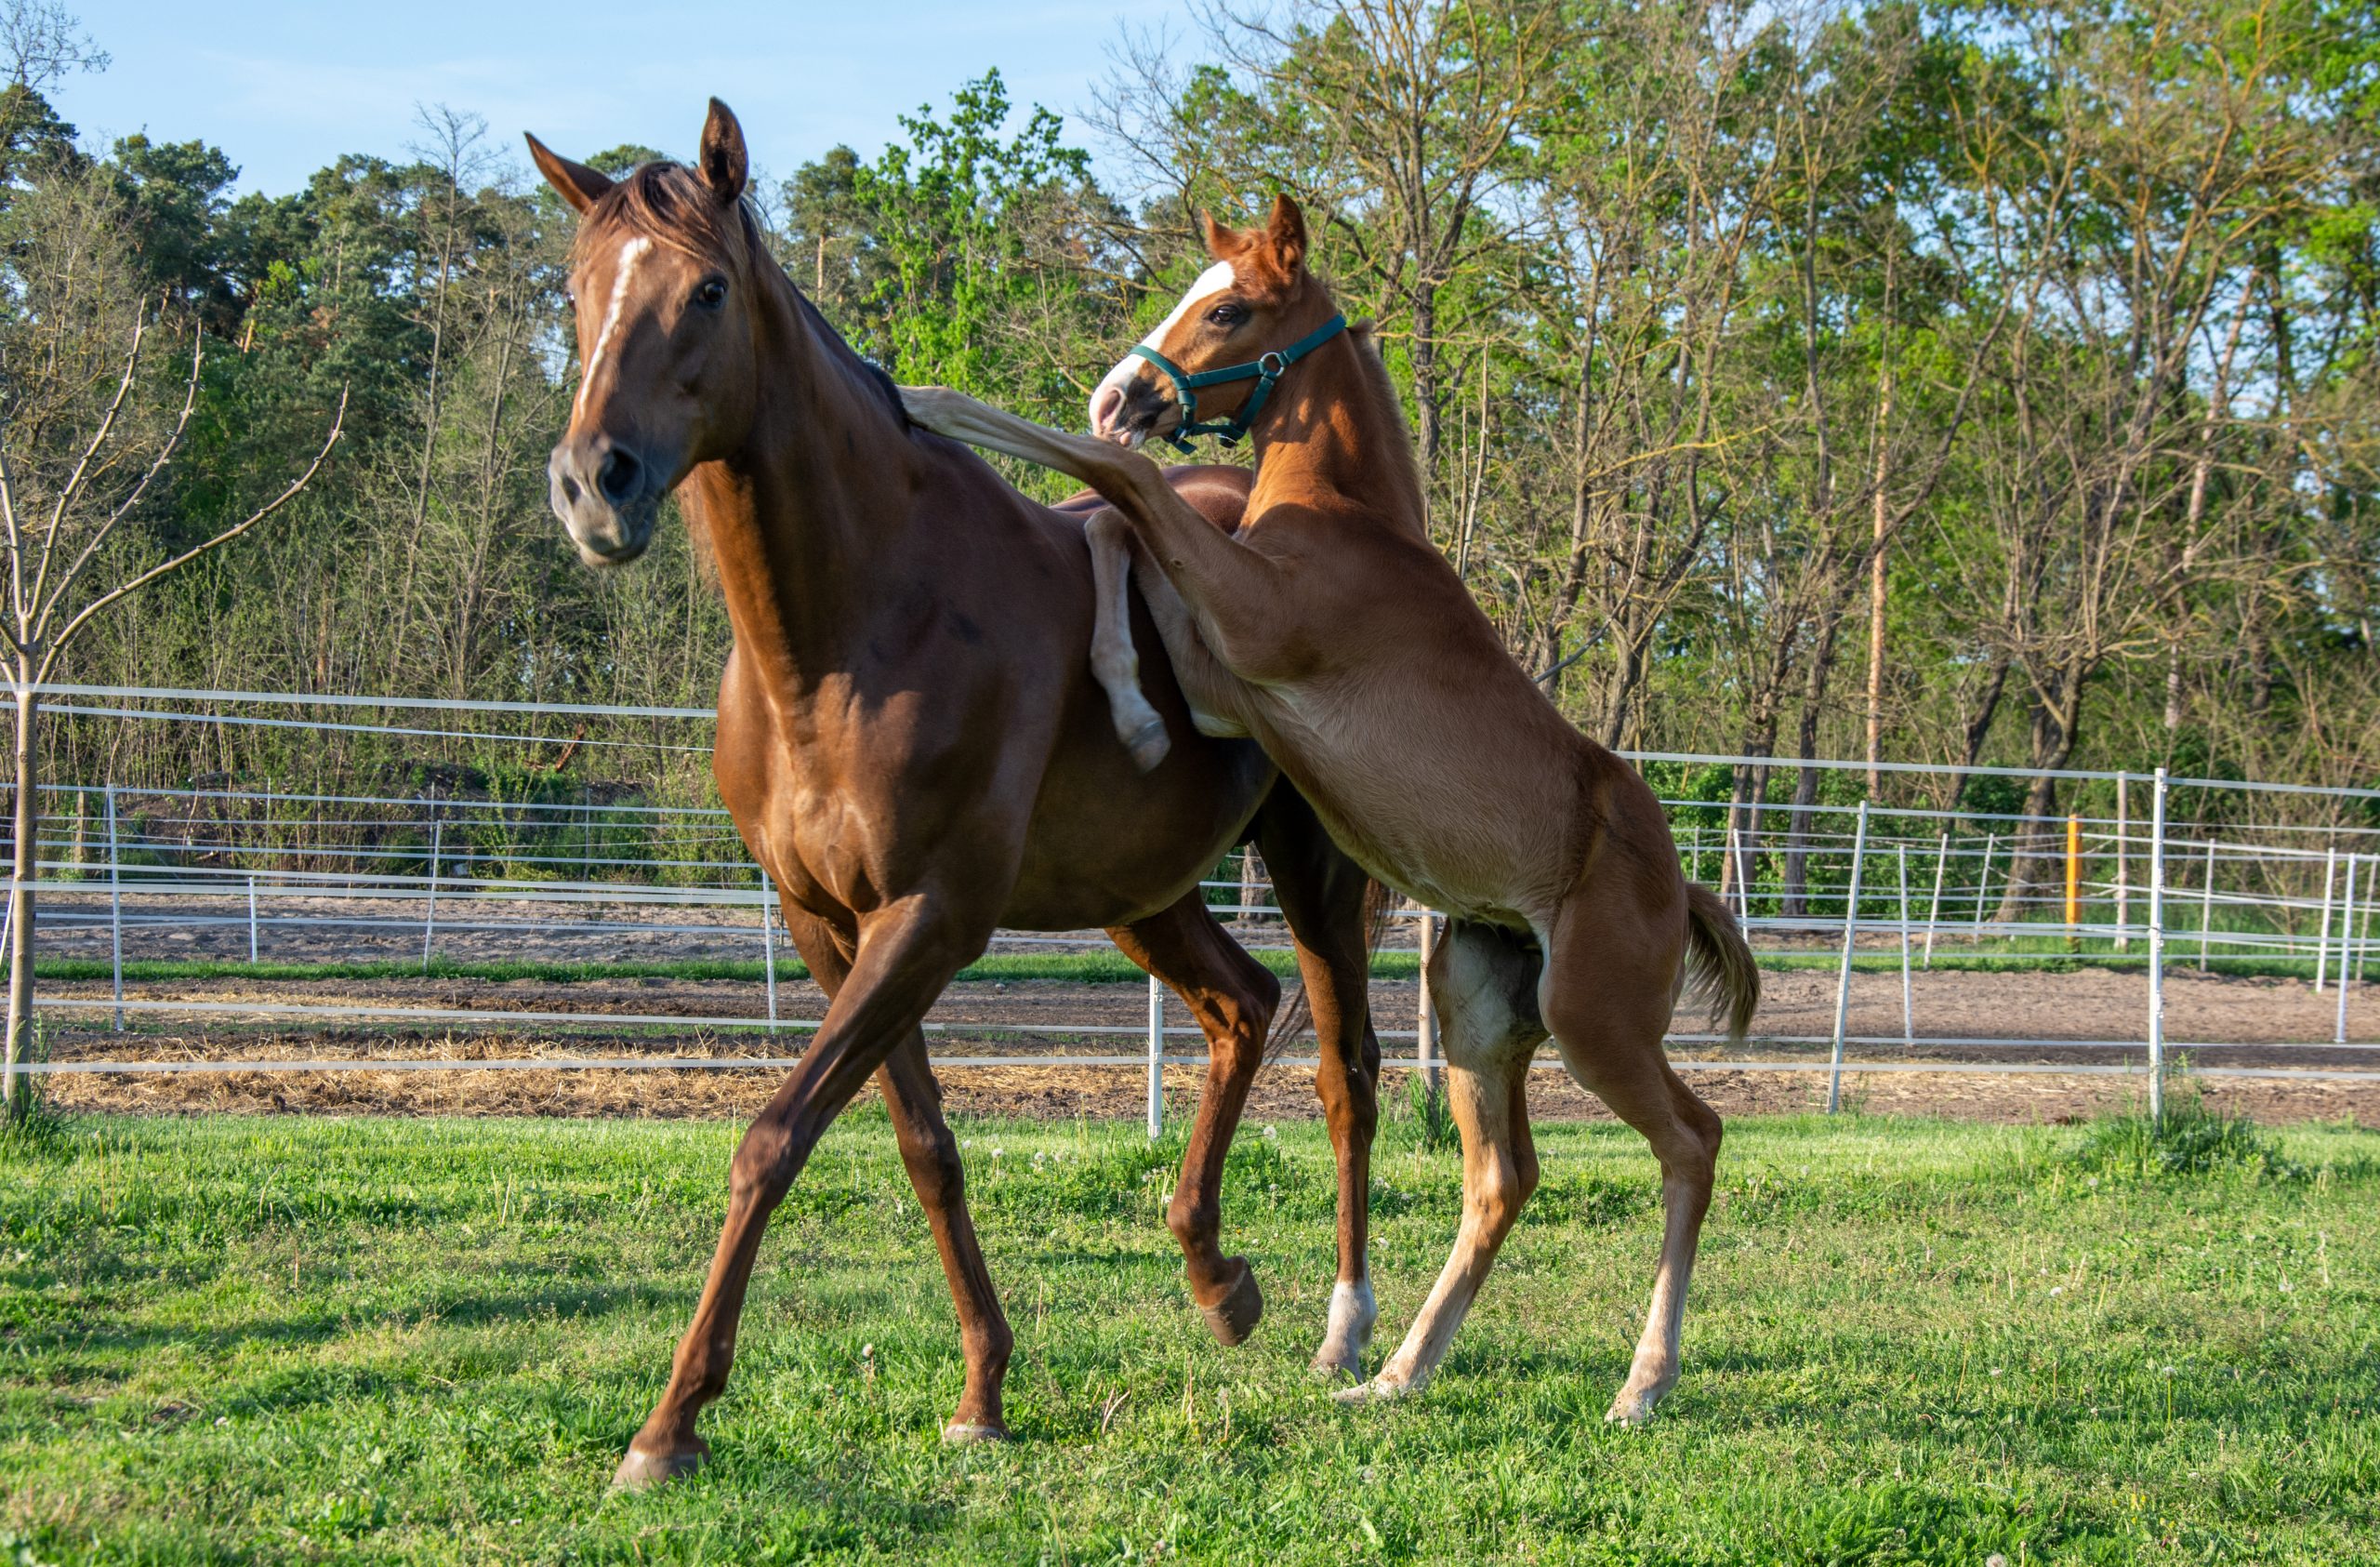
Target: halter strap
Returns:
[1265, 371]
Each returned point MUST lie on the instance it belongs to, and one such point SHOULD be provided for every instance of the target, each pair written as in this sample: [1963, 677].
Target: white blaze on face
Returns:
[1212, 282]
[630, 254]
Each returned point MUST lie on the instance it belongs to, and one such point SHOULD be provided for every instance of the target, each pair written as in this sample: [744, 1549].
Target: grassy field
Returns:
[289, 1339]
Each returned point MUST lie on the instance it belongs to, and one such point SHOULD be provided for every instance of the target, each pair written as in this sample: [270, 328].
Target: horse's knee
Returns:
[1193, 1217]
[931, 1159]
[1503, 1184]
[765, 1163]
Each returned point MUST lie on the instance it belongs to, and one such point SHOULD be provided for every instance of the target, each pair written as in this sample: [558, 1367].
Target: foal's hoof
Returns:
[1149, 744]
[1234, 1316]
[965, 1433]
[642, 1470]
[1634, 1405]
[1375, 1391]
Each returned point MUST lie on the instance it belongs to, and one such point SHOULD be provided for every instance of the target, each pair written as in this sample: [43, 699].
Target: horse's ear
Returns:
[579, 185]
[1286, 230]
[1222, 243]
[726, 165]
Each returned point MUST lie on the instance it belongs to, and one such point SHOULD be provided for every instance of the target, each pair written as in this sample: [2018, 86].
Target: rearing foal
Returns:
[909, 743]
[1332, 631]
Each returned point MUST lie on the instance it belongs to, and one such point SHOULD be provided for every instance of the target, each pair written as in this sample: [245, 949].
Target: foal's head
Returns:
[665, 277]
[1257, 298]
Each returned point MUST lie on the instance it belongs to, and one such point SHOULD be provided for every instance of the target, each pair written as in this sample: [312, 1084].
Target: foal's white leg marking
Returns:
[1213, 281]
[1114, 661]
[630, 254]
[1353, 1312]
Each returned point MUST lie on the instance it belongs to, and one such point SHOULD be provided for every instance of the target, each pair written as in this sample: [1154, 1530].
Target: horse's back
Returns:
[1218, 491]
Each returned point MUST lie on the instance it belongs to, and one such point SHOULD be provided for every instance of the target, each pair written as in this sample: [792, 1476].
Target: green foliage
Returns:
[2192, 1140]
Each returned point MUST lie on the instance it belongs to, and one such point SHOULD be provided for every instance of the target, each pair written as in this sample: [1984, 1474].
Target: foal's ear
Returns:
[579, 185]
[724, 163]
[1222, 243]
[1286, 230]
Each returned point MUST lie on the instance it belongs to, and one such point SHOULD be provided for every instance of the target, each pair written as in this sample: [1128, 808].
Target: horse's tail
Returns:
[1719, 961]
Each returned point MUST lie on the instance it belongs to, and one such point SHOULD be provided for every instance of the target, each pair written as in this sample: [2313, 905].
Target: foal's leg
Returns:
[1609, 1013]
[1322, 896]
[930, 1155]
[1481, 979]
[1115, 663]
[1233, 997]
[908, 952]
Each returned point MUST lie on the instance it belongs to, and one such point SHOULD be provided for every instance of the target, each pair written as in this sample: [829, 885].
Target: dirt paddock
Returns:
[2065, 1019]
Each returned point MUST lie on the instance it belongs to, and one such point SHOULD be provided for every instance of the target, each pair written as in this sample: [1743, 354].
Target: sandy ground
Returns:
[2230, 1022]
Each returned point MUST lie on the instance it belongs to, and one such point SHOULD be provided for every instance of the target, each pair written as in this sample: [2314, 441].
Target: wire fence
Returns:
[2215, 875]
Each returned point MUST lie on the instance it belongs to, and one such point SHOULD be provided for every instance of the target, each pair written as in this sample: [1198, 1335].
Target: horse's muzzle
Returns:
[606, 496]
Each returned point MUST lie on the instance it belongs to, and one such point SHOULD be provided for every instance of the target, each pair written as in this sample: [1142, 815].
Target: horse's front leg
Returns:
[930, 1155]
[908, 952]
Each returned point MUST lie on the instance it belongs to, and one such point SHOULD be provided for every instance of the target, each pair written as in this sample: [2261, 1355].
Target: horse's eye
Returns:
[711, 293]
[1227, 315]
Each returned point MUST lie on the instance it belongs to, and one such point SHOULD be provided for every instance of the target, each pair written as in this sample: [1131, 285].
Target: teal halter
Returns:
[1265, 371]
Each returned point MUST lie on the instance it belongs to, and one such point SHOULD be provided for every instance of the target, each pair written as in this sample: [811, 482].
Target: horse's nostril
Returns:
[1105, 407]
[570, 490]
[620, 476]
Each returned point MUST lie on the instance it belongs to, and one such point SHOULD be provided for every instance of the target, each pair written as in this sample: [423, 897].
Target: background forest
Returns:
[1932, 381]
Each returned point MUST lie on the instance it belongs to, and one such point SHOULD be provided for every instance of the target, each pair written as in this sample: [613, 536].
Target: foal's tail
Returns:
[1719, 961]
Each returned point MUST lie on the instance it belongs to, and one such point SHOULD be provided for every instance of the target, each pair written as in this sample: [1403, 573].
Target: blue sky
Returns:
[285, 87]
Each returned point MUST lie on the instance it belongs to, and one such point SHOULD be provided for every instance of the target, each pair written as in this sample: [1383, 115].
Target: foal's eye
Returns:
[1228, 313]
[711, 293]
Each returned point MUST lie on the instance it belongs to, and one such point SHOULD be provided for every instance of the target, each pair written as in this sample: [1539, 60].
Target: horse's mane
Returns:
[1399, 461]
[670, 203]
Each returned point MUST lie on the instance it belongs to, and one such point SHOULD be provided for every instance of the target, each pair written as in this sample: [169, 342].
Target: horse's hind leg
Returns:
[1233, 998]
[1609, 1001]
[1322, 896]
[1114, 661]
[1482, 979]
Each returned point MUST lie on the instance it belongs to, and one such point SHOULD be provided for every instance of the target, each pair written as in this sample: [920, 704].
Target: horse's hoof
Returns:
[1634, 1406]
[1233, 1318]
[1374, 1391]
[642, 1470]
[964, 1433]
[1149, 744]
[1328, 1366]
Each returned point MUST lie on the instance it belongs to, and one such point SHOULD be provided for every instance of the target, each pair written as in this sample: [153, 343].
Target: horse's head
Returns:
[1256, 301]
[664, 277]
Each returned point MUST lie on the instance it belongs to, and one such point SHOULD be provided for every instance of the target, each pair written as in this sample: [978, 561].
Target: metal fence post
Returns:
[115, 908]
[2206, 908]
[1157, 1058]
[1934, 910]
[2347, 939]
[1908, 1011]
[430, 917]
[1842, 979]
[1425, 1021]
[2363, 942]
[1983, 881]
[252, 919]
[2322, 936]
[2157, 953]
[769, 946]
[2124, 865]
[1743, 876]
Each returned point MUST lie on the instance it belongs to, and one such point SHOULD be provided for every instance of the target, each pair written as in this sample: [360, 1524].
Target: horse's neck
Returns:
[802, 520]
[1332, 433]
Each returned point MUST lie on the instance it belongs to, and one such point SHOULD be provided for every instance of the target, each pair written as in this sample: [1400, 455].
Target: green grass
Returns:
[307, 1339]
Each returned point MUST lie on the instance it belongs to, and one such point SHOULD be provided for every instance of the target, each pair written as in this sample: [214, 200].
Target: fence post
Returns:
[1425, 1022]
[2206, 908]
[2074, 884]
[1842, 978]
[1983, 881]
[115, 908]
[2363, 942]
[2157, 952]
[2346, 939]
[769, 945]
[1157, 1058]
[436, 843]
[1908, 1011]
[1743, 876]
[252, 919]
[2322, 940]
[1934, 910]
[1695, 874]
[2124, 864]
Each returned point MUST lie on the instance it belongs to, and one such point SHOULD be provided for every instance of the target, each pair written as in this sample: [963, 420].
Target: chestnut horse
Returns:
[910, 745]
[1332, 631]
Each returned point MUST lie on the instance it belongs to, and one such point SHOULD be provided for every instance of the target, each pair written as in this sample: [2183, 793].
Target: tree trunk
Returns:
[24, 861]
[1794, 901]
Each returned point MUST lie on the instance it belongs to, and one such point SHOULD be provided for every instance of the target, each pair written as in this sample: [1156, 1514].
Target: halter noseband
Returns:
[1265, 371]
